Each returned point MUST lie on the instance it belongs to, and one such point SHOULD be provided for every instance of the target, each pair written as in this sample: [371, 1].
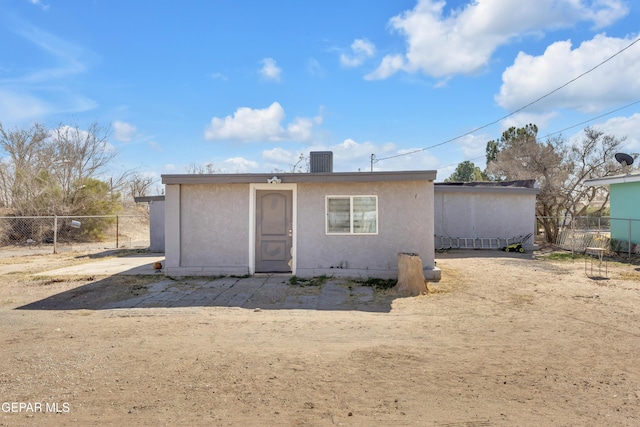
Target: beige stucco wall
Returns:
[483, 214]
[208, 233]
[405, 224]
[207, 229]
[156, 226]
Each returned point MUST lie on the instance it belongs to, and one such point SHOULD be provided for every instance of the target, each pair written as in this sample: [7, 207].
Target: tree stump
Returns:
[410, 275]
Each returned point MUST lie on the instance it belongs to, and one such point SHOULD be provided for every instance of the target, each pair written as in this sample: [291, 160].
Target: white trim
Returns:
[253, 188]
[620, 179]
[350, 197]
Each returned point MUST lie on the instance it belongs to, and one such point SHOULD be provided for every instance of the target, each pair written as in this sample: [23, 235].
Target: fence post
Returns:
[55, 234]
[629, 235]
[117, 231]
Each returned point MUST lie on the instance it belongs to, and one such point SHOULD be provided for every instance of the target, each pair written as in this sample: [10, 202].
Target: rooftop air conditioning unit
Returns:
[321, 161]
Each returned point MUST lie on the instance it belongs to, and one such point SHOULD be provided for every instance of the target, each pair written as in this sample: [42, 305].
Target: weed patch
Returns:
[313, 281]
[378, 284]
[564, 256]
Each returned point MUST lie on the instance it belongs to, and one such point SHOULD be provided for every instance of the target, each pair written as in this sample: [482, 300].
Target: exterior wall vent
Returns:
[321, 161]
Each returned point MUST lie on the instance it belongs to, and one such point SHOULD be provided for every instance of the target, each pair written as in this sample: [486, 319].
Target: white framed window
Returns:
[352, 214]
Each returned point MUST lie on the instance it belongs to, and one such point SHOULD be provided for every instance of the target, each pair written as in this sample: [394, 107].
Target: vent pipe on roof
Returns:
[321, 161]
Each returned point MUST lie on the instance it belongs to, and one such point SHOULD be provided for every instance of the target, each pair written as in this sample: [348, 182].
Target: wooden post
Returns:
[410, 275]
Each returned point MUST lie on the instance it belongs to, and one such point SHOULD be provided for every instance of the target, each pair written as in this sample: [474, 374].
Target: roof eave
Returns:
[618, 179]
[251, 178]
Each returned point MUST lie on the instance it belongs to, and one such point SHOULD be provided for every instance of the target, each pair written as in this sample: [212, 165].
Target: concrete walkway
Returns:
[131, 265]
[271, 292]
[264, 292]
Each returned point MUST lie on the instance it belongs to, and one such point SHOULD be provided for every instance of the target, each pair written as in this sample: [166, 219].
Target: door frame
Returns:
[253, 188]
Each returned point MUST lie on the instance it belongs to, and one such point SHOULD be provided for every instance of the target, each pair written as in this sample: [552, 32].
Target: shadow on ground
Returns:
[269, 292]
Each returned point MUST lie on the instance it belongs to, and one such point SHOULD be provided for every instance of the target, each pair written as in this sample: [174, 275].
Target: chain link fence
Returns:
[616, 235]
[53, 234]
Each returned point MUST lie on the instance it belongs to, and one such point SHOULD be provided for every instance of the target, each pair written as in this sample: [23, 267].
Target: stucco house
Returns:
[307, 224]
[156, 221]
[486, 214]
[624, 203]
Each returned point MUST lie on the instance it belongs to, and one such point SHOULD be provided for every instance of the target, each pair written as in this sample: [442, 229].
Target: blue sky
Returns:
[250, 85]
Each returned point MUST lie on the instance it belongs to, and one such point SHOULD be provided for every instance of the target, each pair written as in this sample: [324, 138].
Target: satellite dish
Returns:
[624, 159]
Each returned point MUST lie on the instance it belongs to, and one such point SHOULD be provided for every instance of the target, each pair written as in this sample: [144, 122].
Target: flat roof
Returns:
[483, 189]
[148, 199]
[523, 186]
[252, 178]
[617, 179]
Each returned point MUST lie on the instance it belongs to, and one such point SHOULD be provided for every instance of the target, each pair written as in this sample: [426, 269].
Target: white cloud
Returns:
[169, 167]
[38, 92]
[124, 131]
[472, 146]
[253, 125]
[314, 68]
[18, 106]
[230, 165]
[464, 40]
[350, 152]
[352, 156]
[218, 76]
[269, 70]
[605, 12]
[621, 127]
[43, 6]
[361, 49]
[348, 155]
[238, 165]
[279, 156]
[155, 146]
[75, 133]
[519, 120]
[615, 82]
[71, 59]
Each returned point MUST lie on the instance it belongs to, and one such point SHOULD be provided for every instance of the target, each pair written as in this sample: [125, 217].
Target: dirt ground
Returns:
[503, 340]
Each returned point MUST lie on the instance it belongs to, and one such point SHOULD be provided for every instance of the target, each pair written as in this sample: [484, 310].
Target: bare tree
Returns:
[592, 157]
[560, 170]
[139, 184]
[204, 169]
[24, 163]
[302, 164]
[79, 154]
[46, 172]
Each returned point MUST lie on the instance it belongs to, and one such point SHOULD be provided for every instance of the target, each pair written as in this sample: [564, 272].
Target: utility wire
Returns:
[516, 111]
[559, 131]
[592, 119]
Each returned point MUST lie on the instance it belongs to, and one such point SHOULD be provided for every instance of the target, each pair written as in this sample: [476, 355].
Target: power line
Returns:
[560, 131]
[592, 119]
[513, 112]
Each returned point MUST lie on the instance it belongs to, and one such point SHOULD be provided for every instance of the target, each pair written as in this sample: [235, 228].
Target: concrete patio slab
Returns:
[132, 265]
[264, 291]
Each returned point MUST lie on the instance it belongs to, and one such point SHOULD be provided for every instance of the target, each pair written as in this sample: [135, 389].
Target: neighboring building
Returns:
[485, 214]
[624, 204]
[306, 224]
[156, 221]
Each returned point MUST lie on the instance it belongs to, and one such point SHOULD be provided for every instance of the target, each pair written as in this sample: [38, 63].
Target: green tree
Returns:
[467, 171]
[94, 197]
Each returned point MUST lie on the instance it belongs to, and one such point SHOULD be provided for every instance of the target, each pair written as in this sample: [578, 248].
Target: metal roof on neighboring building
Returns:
[522, 186]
